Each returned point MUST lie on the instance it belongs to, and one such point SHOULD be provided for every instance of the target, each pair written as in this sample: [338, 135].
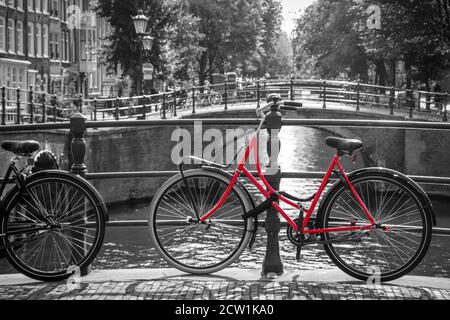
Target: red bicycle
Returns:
[202, 220]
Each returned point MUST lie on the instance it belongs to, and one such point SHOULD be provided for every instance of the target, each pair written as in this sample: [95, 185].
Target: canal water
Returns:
[303, 149]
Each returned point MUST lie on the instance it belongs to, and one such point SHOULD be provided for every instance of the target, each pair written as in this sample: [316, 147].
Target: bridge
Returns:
[113, 138]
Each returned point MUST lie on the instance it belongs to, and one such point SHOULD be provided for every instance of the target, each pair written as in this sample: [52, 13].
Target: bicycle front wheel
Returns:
[53, 228]
[191, 246]
[387, 252]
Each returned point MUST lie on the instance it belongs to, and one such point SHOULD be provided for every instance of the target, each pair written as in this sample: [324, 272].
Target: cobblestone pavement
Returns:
[167, 289]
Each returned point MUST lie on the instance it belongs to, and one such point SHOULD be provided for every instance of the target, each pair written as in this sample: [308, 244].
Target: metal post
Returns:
[410, 102]
[95, 109]
[44, 107]
[80, 103]
[292, 88]
[392, 101]
[226, 94]
[420, 98]
[258, 93]
[55, 110]
[116, 113]
[324, 94]
[18, 120]
[164, 106]
[31, 103]
[174, 103]
[3, 105]
[144, 111]
[444, 107]
[193, 98]
[78, 151]
[272, 260]
[358, 96]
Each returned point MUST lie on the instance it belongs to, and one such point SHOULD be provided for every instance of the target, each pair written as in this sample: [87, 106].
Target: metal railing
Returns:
[28, 106]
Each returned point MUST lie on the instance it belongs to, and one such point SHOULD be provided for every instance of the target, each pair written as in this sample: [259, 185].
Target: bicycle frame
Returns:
[267, 190]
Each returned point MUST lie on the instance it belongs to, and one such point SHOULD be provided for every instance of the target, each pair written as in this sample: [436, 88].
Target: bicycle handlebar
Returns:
[284, 105]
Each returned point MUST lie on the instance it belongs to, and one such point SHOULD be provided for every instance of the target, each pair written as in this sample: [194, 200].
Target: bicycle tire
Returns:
[202, 244]
[215, 99]
[382, 194]
[72, 238]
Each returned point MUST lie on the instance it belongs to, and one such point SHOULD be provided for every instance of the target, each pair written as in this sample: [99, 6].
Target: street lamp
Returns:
[140, 23]
[147, 42]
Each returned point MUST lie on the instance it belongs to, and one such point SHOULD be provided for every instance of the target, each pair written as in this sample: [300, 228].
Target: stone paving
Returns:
[188, 289]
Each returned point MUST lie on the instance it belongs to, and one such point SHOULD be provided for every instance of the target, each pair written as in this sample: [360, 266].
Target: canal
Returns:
[303, 149]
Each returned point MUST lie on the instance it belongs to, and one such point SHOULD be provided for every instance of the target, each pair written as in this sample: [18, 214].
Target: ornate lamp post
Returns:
[140, 22]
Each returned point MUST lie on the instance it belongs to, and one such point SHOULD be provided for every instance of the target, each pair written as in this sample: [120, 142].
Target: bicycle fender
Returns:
[420, 193]
[77, 179]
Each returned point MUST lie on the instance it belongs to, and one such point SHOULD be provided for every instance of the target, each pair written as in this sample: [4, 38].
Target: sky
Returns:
[290, 12]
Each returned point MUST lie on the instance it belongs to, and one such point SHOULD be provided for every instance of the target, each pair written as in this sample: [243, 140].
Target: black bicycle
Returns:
[52, 221]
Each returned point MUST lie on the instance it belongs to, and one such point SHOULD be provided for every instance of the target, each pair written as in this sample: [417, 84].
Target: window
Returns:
[3, 3]
[67, 46]
[39, 40]
[55, 8]
[2, 34]
[31, 51]
[56, 45]
[38, 5]
[11, 38]
[45, 40]
[45, 6]
[19, 29]
[20, 5]
[30, 5]
[11, 3]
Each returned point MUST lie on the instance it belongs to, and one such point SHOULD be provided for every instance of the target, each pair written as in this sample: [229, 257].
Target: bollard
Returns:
[18, 120]
[44, 107]
[116, 112]
[193, 98]
[392, 101]
[78, 151]
[358, 96]
[31, 104]
[292, 88]
[324, 95]
[226, 94]
[3, 105]
[272, 261]
[80, 103]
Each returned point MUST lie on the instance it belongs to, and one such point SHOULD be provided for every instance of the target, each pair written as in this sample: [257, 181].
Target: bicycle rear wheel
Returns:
[388, 252]
[191, 246]
[56, 226]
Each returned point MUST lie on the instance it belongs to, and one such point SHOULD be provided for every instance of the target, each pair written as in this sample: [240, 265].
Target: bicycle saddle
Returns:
[344, 145]
[21, 147]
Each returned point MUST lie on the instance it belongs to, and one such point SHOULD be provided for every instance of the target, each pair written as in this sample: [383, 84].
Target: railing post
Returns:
[420, 98]
[324, 95]
[44, 107]
[31, 103]
[78, 151]
[55, 110]
[226, 94]
[444, 107]
[164, 106]
[95, 109]
[358, 96]
[3, 105]
[116, 113]
[144, 111]
[18, 120]
[258, 94]
[193, 98]
[392, 101]
[272, 261]
[292, 88]
[80, 103]
[174, 103]
[410, 102]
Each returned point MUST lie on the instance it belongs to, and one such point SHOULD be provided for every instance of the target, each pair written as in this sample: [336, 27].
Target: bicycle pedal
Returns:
[299, 252]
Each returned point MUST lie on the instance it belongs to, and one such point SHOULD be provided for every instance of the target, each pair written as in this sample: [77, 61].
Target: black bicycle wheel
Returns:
[191, 246]
[56, 226]
[387, 252]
